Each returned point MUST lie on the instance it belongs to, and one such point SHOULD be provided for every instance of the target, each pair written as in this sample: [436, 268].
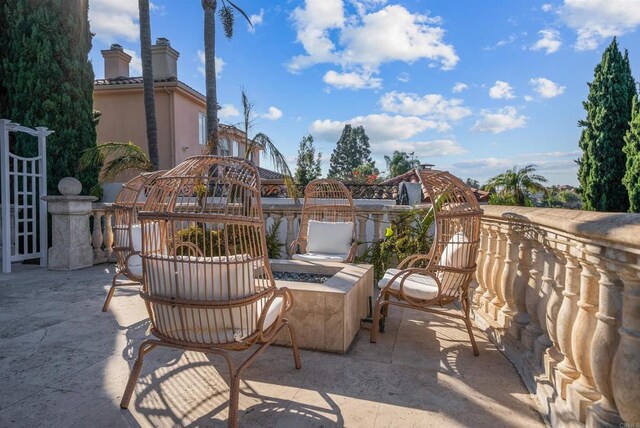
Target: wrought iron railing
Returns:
[359, 191]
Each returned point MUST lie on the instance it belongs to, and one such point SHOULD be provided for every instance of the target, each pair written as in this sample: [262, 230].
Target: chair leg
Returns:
[135, 373]
[376, 320]
[111, 292]
[234, 400]
[467, 321]
[294, 346]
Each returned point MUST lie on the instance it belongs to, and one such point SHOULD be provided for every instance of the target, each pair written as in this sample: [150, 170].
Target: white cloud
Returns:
[228, 110]
[549, 41]
[273, 113]
[431, 106]
[459, 87]
[547, 7]
[366, 40]
[201, 67]
[528, 98]
[379, 127]
[421, 149]
[503, 42]
[352, 80]
[546, 88]
[403, 77]
[135, 66]
[597, 20]
[113, 20]
[499, 121]
[501, 90]
[256, 19]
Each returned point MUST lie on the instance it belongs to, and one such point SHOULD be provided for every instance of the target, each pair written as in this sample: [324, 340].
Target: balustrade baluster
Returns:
[625, 371]
[552, 355]
[108, 235]
[290, 228]
[488, 270]
[582, 392]
[97, 237]
[508, 310]
[547, 284]
[566, 371]
[520, 285]
[377, 226]
[480, 262]
[532, 298]
[496, 273]
[604, 344]
[362, 233]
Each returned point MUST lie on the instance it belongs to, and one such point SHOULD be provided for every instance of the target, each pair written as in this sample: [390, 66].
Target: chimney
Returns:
[116, 62]
[165, 59]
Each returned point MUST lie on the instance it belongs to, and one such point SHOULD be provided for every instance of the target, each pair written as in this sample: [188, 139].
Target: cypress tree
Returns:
[48, 81]
[608, 109]
[308, 164]
[631, 148]
[352, 150]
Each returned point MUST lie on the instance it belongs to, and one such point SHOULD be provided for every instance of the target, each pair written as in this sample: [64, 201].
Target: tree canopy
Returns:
[514, 186]
[47, 80]
[307, 163]
[608, 108]
[352, 150]
[631, 179]
[400, 162]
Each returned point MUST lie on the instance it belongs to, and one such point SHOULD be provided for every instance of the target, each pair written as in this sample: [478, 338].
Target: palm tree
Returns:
[115, 158]
[518, 183]
[227, 19]
[147, 83]
[400, 162]
[261, 142]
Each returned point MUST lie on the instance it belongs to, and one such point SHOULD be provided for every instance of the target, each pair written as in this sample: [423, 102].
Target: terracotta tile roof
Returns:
[267, 174]
[411, 176]
[122, 81]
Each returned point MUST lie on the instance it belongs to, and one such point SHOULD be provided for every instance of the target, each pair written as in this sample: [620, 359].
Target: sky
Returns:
[473, 87]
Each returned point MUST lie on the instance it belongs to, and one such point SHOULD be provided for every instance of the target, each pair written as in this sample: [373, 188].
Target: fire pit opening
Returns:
[300, 277]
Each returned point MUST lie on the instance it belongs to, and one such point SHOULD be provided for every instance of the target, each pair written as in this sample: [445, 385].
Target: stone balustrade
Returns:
[559, 291]
[102, 218]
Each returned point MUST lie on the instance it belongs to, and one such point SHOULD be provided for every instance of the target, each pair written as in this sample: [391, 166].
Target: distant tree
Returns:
[226, 13]
[569, 198]
[307, 163]
[631, 179]
[147, 82]
[47, 80]
[472, 183]
[352, 150]
[365, 173]
[518, 184]
[608, 109]
[400, 162]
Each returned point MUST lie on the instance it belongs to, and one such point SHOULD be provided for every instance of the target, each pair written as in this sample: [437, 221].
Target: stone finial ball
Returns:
[69, 186]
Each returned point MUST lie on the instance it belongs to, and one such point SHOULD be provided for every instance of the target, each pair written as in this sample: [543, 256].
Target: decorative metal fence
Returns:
[359, 191]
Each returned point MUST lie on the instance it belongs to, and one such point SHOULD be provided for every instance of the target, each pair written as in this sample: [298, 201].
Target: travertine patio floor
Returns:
[65, 363]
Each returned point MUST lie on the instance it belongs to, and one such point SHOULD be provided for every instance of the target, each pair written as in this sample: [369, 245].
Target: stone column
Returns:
[566, 371]
[377, 226]
[553, 355]
[289, 239]
[605, 341]
[582, 393]
[362, 233]
[625, 374]
[482, 258]
[71, 248]
[543, 342]
[108, 236]
[498, 299]
[488, 270]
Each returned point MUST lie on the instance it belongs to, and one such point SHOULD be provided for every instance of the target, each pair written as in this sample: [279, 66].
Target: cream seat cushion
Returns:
[319, 257]
[215, 279]
[417, 286]
[324, 237]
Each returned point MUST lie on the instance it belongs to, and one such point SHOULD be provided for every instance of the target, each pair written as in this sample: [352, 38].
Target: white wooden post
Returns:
[6, 206]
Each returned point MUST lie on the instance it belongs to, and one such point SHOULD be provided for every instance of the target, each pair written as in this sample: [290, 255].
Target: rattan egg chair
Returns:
[327, 225]
[221, 297]
[427, 282]
[127, 235]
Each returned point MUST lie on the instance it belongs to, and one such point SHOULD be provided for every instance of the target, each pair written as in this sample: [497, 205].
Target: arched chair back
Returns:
[127, 234]
[327, 225]
[442, 276]
[207, 281]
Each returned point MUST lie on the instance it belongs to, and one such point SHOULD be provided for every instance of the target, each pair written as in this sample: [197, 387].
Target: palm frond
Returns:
[123, 156]
[264, 143]
[124, 163]
[236, 7]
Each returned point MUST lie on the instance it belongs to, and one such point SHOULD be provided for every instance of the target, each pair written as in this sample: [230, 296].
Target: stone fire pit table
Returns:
[326, 316]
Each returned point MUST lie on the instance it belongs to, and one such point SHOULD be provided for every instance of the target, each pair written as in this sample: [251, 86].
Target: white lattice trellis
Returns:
[24, 213]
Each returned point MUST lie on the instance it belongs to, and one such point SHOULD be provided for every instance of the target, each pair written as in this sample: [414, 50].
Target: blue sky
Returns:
[474, 87]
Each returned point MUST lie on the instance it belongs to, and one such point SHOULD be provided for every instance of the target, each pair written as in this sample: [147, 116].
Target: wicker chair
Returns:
[448, 267]
[222, 296]
[127, 232]
[327, 226]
